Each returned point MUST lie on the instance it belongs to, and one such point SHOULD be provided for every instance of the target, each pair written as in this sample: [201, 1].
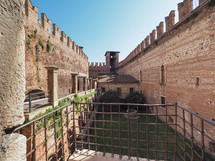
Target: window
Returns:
[119, 90]
[162, 74]
[140, 76]
[103, 90]
[131, 90]
[197, 81]
[163, 101]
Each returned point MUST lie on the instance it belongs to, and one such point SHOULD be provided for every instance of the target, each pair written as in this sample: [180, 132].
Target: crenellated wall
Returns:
[185, 13]
[179, 64]
[97, 68]
[47, 45]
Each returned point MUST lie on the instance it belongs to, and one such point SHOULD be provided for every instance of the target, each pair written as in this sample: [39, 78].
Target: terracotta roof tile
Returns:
[118, 79]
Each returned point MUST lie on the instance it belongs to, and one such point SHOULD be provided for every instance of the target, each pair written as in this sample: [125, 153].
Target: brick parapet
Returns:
[185, 12]
[184, 9]
[97, 66]
[170, 21]
[31, 13]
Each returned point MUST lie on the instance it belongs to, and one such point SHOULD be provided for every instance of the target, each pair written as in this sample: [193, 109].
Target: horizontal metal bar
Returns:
[206, 120]
[38, 119]
[127, 104]
[34, 93]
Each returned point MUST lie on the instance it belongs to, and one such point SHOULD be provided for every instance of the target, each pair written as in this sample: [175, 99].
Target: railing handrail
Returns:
[102, 103]
[40, 118]
[92, 110]
[199, 116]
[42, 92]
[131, 104]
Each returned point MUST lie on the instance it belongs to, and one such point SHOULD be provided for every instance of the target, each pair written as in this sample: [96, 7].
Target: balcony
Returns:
[84, 131]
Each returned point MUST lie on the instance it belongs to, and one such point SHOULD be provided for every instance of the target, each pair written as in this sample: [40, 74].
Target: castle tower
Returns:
[112, 60]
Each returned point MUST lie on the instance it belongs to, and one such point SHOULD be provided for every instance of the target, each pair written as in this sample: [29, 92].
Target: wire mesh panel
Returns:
[159, 132]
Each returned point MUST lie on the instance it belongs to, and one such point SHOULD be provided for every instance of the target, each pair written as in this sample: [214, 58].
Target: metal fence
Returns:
[160, 132]
[36, 100]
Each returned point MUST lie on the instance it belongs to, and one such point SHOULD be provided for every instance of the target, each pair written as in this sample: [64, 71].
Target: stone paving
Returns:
[89, 155]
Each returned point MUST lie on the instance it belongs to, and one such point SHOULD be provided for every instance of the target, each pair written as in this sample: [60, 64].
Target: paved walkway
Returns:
[86, 155]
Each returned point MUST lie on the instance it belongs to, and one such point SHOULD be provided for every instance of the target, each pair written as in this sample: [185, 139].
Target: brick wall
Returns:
[187, 52]
[64, 53]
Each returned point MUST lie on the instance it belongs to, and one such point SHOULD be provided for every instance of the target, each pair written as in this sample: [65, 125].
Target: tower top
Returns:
[112, 52]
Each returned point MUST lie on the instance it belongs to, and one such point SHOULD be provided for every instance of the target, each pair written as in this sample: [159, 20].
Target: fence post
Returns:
[176, 124]
[74, 127]
[29, 102]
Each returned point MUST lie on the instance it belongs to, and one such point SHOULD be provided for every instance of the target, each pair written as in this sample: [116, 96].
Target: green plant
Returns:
[30, 36]
[35, 33]
[135, 98]
[57, 114]
[37, 58]
[41, 44]
[28, 42]
[48, 46]
[110, 97]
[37, 53]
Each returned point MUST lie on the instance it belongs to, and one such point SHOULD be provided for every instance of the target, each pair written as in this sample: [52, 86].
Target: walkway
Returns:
[86, 155]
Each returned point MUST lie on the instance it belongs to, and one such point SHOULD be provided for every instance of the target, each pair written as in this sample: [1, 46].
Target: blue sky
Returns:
[107, 25]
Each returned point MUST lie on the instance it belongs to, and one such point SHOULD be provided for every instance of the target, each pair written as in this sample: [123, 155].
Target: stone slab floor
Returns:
[89, 155]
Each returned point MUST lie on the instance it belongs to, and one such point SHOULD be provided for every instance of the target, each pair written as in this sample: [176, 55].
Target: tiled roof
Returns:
[117, 79]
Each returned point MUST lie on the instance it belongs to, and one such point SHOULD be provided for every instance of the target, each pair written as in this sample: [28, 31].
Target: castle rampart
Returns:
[95, 69]
[47, 47]
[179, 65]
[185, 12]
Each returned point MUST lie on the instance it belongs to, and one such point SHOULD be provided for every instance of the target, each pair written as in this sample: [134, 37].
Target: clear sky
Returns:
[107, 25]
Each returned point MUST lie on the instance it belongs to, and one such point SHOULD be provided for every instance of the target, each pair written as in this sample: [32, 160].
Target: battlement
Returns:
[63, 37]
[69, 41]
[170, 21]
[184, 8]
[97, 66]
[46, 23]
[160, 30]
[152, 37]
[31, 13]
[56, 31]
[184, 11]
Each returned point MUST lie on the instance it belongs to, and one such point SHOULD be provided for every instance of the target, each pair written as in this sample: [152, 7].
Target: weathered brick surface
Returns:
[64, 54]
[68, 138]
[188, 55]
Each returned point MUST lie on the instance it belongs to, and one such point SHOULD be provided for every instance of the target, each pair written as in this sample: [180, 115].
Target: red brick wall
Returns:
[64, 53]
[187, 52]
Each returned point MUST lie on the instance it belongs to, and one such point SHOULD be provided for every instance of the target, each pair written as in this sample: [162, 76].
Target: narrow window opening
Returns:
[131, 90]
[162, 74]
[119, 90]
[197, 81]
[141, 76]
[163, 101]
[103, 90]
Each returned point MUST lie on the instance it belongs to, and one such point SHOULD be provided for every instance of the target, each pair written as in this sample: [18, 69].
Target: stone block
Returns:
[12, 64]
[13, 147]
